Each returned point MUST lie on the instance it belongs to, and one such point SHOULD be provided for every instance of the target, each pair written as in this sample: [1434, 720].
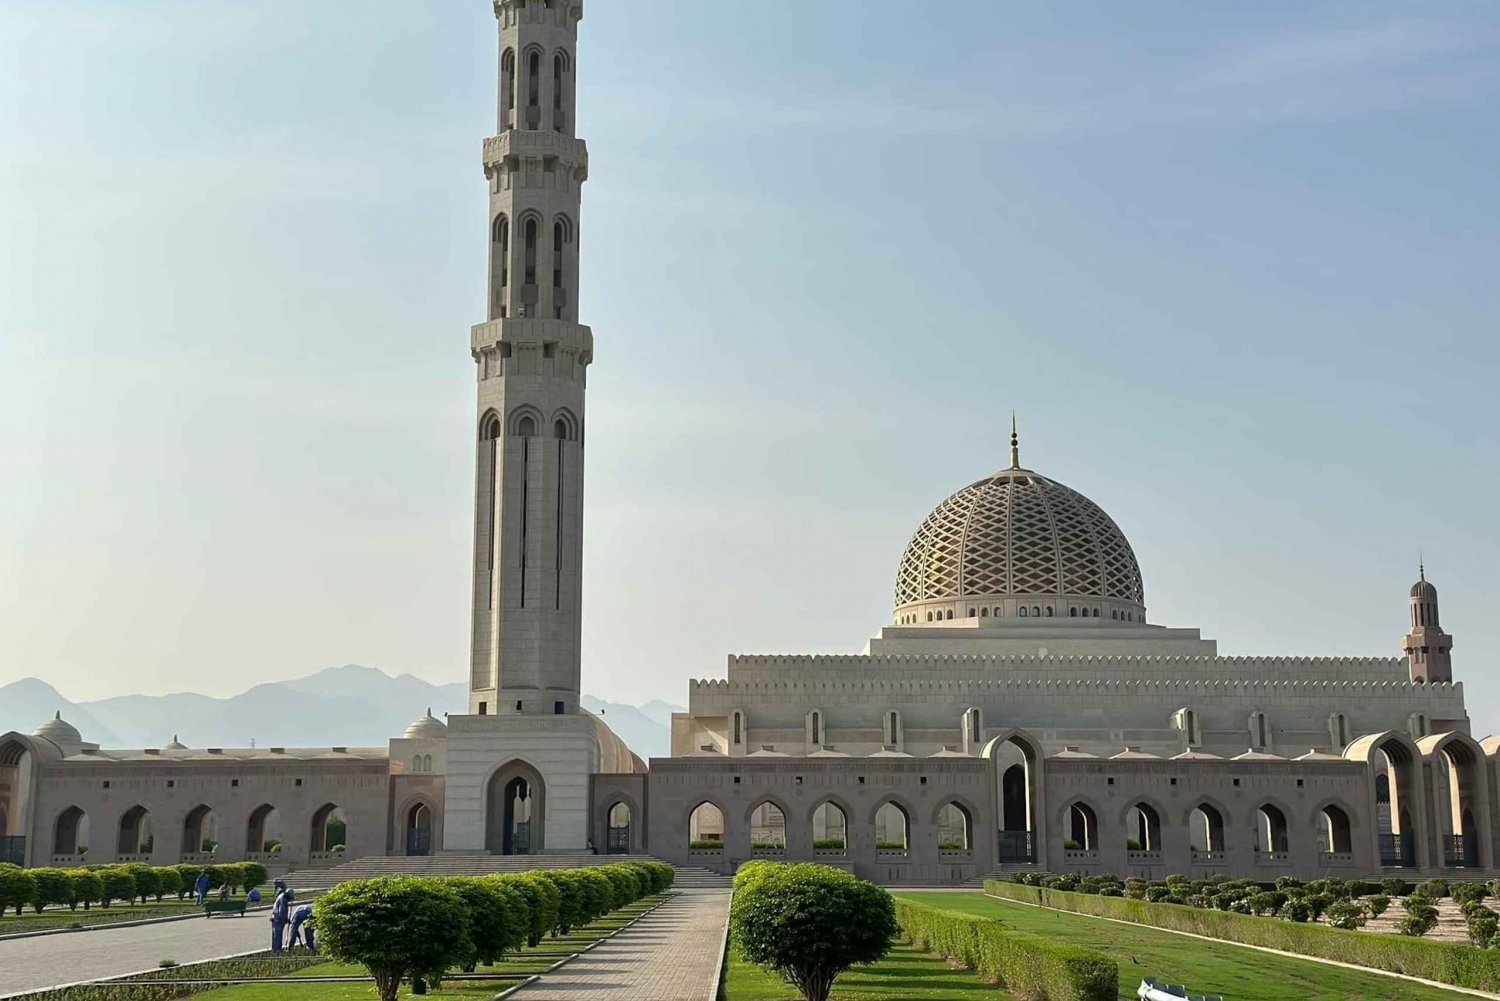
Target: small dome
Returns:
[1424, 590]
[175, 745]
[62, 733]
[426, 726]
[1019, 534]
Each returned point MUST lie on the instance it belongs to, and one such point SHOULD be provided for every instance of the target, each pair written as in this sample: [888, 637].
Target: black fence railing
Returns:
[1017, 846]
[1460, 852]
[619, 841]
[13, 849]
[419, 841]
[1397, 850]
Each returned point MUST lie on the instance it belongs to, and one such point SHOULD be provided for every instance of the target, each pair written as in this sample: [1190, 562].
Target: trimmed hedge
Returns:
[1447, 963]
[1026, 965]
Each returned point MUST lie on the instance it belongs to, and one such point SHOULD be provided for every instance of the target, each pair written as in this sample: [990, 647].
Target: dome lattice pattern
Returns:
[1018, 533]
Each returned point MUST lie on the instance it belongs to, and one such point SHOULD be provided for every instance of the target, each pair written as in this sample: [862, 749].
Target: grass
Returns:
[1204, 967]
[903, 974]
[58, 915]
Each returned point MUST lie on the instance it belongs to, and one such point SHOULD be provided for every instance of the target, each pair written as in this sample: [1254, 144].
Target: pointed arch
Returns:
[525, 421]
[767, 821]
[515, 803]
[564, 425]
[705, 826]
[1460, 796]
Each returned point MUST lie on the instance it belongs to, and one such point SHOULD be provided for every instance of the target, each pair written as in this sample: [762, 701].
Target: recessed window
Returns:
[299, 783]
[557, 708]
[106, 783]
[171, 783]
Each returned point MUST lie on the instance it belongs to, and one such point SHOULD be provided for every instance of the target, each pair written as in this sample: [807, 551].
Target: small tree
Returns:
[542, 901]
[1418, 920]
[88, 888]
[253, 874]
[1377, 905]
[1346, 915]
[171, 881]
[1296, 910]
[395, 927]
[810, 923]
[1463, 893]
[119, 884]
[147, 880]
[50, 886]
[492, 929]
[1483, 924]
[17, 887]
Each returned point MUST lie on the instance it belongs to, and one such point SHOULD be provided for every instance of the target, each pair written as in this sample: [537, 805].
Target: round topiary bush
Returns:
[395, 927]
[17, 887]
[809, 923]
[1433, 889]
[1465, 893]
[1483, 924]
[88, 888]
[1296, 910]
[1418, 919]
[1376, 905]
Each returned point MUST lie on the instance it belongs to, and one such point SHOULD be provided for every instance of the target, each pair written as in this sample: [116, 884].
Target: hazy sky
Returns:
[1234, 264]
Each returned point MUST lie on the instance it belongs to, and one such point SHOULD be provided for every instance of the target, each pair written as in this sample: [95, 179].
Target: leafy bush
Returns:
[1268, 902]
[50, 886]
[119, 884]
[147, 880]
[87, 888]
[1393, 886]
[1317, 903]
[492, 928]
[1433, 889]
[395, 927]
[1418, 921]
[1027, 966]
[1483, 924]
[1376, 905]
[1156, 894]
[542, 903]
[1297, 910]
[17, 887]
[1415, 902]
[702, 843]
[171, 882]
[1445, 962]
[828, 843]
[809, 923]
[1347, 915]
[1463, 893]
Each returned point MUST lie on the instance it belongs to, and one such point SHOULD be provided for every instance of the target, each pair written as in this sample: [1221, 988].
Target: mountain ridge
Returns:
[349, 705]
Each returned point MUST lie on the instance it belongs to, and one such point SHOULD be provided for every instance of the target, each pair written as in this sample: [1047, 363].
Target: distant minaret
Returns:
[1427, 646]
[532, 356]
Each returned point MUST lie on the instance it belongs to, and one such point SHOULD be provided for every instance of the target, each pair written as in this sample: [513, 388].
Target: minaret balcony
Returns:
[517, 332]
[536, 145]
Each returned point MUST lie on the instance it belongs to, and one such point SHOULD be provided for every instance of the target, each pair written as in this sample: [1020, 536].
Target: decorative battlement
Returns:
[1079, 686]
[864, 662]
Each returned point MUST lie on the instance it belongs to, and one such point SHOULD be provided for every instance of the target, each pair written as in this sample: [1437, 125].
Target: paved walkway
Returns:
[672, 954]
[29, 964]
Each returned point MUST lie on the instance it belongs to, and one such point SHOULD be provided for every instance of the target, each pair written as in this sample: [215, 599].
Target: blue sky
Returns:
[1234, 265]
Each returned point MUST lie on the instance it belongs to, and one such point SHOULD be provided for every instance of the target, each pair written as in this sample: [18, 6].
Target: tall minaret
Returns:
[532, 356]
[1427, 646]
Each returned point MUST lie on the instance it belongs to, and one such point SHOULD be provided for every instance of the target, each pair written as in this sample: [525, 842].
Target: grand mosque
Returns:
[1020, 708]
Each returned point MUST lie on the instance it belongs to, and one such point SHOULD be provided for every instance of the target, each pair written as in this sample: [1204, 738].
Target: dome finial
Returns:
[1015, 443]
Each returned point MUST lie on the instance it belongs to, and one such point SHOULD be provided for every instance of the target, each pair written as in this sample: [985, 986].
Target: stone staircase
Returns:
[319, 880]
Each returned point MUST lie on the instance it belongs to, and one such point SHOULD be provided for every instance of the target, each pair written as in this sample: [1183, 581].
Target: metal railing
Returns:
[1017, 846]
[1397, 851]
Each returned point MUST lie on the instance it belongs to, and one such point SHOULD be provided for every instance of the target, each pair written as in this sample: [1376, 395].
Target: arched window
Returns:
[892, 829]
[198, 831]
[830, 828]
[1073, 612]
[929, 616]
[489, 428]
[426, 762]
[1206, 831]
[1036, 612]
[737, 727]
[973, 613]
[815, 735]
[263, 829]
[135, 832]
[1271, 831]
[950, 613]
[70, 833]
[526, 426]
[999, 612]
[1023, 611]
[1338, 731]
[534, 79]
[508, 88]
[1143, 829]
[984, 613]
[1259, 731]
[892, 728]
[767, 827]
[955, 828]
[1049, 611]
[530, 248]
[1083, 829]
[557, 92]
[1186, 722]
[416, 762]
[1337, 836]
[706, 827]
[499, 265]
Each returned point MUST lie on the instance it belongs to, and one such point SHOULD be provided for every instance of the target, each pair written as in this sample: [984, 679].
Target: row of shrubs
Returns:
[1026, 965]
[105, 884]
[412, 927]
[1458, 965]
[1345, 904]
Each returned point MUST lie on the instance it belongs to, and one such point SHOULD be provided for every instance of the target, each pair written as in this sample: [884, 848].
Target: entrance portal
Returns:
[515, 811]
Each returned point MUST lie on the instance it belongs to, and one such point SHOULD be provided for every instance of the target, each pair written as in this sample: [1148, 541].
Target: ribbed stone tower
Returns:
[532, 357]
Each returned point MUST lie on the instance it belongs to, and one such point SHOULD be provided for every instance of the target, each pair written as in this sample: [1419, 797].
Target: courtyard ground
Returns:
[903, 974]
[1204, 967]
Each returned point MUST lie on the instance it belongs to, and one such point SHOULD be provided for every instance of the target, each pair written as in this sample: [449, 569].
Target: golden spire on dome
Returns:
[1015, 443]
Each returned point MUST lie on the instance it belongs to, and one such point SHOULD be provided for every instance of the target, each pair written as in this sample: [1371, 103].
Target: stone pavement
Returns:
[32, 963]
[672, 954]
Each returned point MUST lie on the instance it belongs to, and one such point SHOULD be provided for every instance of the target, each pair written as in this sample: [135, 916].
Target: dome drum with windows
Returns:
[1018, 545]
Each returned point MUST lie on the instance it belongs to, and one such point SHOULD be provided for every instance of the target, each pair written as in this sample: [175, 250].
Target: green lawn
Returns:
[58, 915]
[903, 974]
[1204, 967]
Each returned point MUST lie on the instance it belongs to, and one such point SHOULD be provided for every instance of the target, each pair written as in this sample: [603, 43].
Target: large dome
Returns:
[1018, 535]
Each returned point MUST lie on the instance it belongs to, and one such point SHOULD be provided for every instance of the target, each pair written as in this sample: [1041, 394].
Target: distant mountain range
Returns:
[350, 706]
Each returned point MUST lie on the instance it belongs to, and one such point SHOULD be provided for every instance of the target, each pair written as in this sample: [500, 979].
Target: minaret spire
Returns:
[1015, 443]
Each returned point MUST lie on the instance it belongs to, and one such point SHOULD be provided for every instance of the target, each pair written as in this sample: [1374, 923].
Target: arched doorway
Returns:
[1272, 838]
[767, 828]
[955, 829]
[1142, 830]
[892, 829]
[617, 832]
[419, 830]
[706, 828]
[1206, 833]
[1018, 771]
[1338, 838]
[515, 811]
[1083, 829]
[198, 832]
